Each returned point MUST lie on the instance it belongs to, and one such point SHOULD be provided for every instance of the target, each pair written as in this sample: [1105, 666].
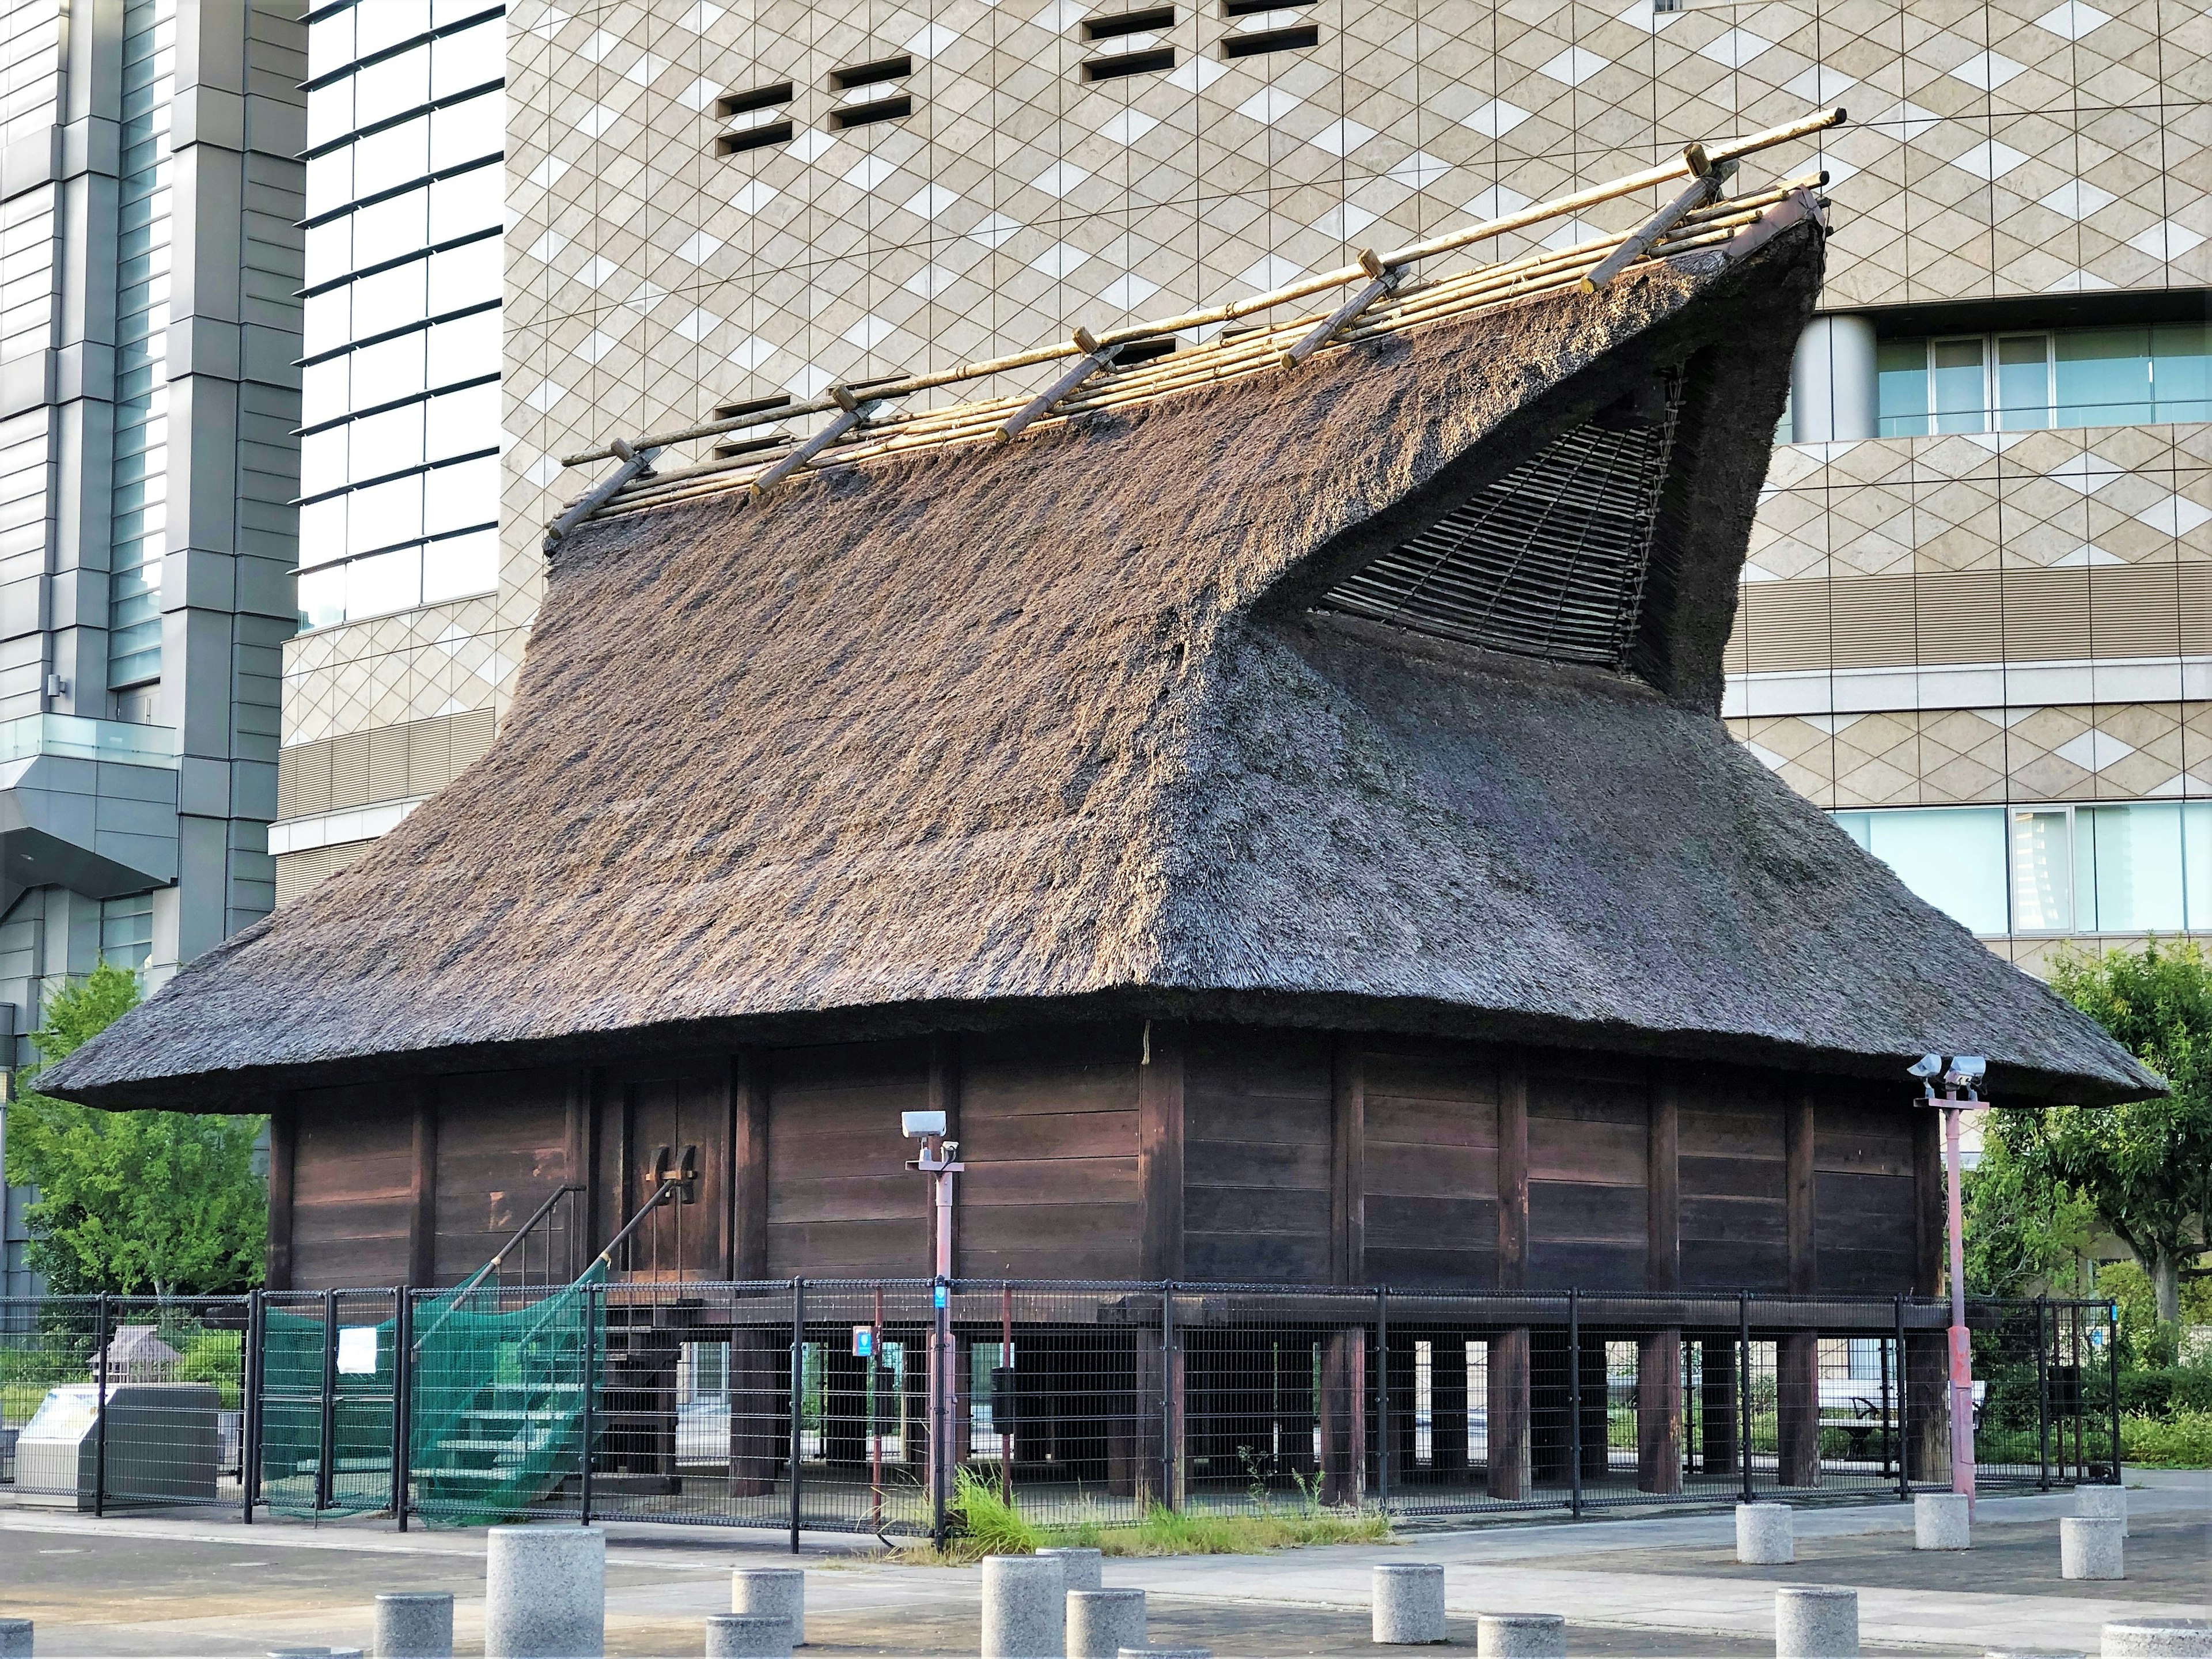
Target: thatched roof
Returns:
[1079, 726]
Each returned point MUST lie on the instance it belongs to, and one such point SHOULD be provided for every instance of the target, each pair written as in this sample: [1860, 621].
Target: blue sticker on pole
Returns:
[944, 1296]
[864, 1342]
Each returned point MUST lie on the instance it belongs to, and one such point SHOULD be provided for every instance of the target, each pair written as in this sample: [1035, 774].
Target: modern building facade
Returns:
[1976, 622]
[150, 260]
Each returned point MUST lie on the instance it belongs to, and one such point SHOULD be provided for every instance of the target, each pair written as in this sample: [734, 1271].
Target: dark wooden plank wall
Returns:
[1589, 1131]
[841, 1200]
[503, 1148]
[1736, 1227]
[1863, 1192]
[353, 1176]
[1048, 1133]
[1257, 1155]
[1431, 1162]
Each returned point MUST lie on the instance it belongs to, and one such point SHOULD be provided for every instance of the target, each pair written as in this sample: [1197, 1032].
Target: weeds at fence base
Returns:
[984, 1524]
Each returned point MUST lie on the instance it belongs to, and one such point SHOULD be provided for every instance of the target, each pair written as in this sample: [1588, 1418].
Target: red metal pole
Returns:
[1962, 1353]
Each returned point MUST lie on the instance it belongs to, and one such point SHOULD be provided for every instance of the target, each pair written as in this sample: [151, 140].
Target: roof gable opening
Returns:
[1548, 560]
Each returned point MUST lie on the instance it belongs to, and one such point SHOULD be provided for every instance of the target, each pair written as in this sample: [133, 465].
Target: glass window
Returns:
[2042, 871]
[2181, 371]
[2023, 382]
[390, 157]
[330, 179]
[323, 460]
[383, 513]
[1901, 367]
[329, 109]
[382, 374]
[467, 276]
[126, 931]
[390, 298]
[323, 389]
[386, 229]
[387, 443]
[387, 583]
[466, 347]
[467, 202]
[460, 566]
[387, 22]
[461, 421]
[2104, 376]
[326, 321]
[468, 58]
[1952, 857]
[330, 42]
[2128, 868]
[1958, 384]
[322, 597]
[464, 494]
[323, 530]
[464, 131]
[2197, 863]
[383, 90]
[330, 249]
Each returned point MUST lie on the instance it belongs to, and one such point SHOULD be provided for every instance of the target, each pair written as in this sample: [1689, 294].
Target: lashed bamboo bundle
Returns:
[864, 425]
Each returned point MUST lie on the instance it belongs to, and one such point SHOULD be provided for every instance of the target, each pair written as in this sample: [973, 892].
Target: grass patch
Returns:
[984, 1524]
[2183, 1441]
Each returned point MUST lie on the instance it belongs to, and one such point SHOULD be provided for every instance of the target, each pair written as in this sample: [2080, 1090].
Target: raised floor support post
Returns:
[1797, 1409]
[1508, 1413]
[1659, 1411]
[1344, 1416]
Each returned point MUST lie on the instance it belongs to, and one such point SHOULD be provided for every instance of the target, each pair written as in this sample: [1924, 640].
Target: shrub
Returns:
[2167, 1391]
[2181, 1442]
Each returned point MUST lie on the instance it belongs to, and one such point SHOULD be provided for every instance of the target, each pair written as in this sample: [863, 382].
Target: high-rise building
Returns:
[1977, 620]
[149, 199]
[407, 641]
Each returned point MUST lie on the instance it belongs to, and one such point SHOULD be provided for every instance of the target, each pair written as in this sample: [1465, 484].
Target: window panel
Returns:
[459, 566]
[323, 460]
[2042, 871]
[467, 275]
[464, 132]
[383, 513]
[385, 443]
[2128, 868]
[386, 229]
[2181, 371]
[466, 347]
[2104, 376]
[387, 22]
[323, 389]
[323, 531]
[1954, 858]
[390, 298]
[2023, 382]
[329, 109]
[383, 89]
[467, 202]
[389, 371]
[468, 58]
[322, 597]
[463, 494]
[2197, 863]
[329, 181]
[462, 421]
[1959, 385]
[392, 157]
[330, 43]
[1901, 370]
[387, 583]
[325, 321]
[330, 249]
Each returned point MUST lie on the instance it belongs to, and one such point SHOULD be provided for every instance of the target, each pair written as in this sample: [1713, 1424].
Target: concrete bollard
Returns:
[1085, 1569]
[2155, 1638]
[1023, 1612]
[14, 1639]
[2102, 1503]
[747, 1636]
[1521, 1636]
[545, 1593]
[2091, 1549]
[2033, 1653]
[1409, 1604]
[1165, 1653]
[772, 1593]
[1815, 1622]
[1101, 1622]
[1765, 1535]
[414, 1624]
[1943, 1521]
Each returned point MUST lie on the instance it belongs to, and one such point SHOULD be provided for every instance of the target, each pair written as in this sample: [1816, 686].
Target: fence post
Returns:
[2042, 1394]
[1574, 1401]
[1903, 1400]
[1382, 1399]
[590, 1415]
[2112, 1376]
[797, 1396]
[249, 1410]
[1167, 1398]
[325, 1483]
[403, 1372]
[100, 1422]
[1743, 1384]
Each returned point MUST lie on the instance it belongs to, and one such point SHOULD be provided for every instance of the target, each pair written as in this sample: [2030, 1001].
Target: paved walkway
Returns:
[1663, 1586]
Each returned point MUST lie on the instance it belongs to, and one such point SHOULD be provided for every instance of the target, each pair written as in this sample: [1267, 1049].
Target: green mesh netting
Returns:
[496, 1407]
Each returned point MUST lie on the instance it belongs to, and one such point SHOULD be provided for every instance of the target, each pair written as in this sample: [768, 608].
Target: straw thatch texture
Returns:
[1049, 731]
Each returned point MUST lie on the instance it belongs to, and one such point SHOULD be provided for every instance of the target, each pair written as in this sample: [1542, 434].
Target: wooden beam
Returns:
[283, 1154]
[1662, 1262]
[1513, 1171]
[1797, 1157]
[1159, 1145]
[1347, 1157]
[422, 1190]
[748, 1164]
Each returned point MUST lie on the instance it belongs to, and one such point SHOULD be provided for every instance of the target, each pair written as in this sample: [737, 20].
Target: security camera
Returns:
[1928, 1066]
[917, 1125]
[1969, 1068]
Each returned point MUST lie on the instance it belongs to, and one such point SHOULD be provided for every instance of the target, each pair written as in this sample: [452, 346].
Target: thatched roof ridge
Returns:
[1054, 729]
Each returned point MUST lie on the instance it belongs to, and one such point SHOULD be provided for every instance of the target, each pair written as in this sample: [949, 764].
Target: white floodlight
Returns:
[915, 1125]
[1969, 1068]
[1927, 1066]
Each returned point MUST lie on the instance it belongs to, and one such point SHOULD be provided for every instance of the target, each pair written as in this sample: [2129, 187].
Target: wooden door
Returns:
[677, 1139]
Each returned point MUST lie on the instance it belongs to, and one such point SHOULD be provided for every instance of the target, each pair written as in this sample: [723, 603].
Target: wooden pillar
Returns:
[759, 1362]
[1797, 1353]
[1511, 1448]
[1344, 1415]
[1659, 1353]
[1717, 1408]
[1347, 1159]
[1159, 1146]
[1927, 1353]
[748, 1164]
[422, 1190]
[283, 1153]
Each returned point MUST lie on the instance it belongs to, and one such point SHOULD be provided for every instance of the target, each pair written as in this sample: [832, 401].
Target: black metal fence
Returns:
[806, 1404]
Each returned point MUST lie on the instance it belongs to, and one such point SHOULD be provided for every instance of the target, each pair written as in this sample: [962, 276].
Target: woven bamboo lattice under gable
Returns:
[864, 422]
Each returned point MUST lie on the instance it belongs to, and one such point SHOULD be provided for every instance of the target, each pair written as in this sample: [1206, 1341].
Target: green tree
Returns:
[135, 1203]
[2147, 1167]
[2026, 1233]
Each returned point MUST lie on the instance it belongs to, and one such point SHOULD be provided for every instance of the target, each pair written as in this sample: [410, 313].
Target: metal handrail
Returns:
[454, 1295]
[666, 1191]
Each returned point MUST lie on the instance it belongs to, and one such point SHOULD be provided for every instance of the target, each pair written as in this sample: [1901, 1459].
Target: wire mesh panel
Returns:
[327, 1385]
